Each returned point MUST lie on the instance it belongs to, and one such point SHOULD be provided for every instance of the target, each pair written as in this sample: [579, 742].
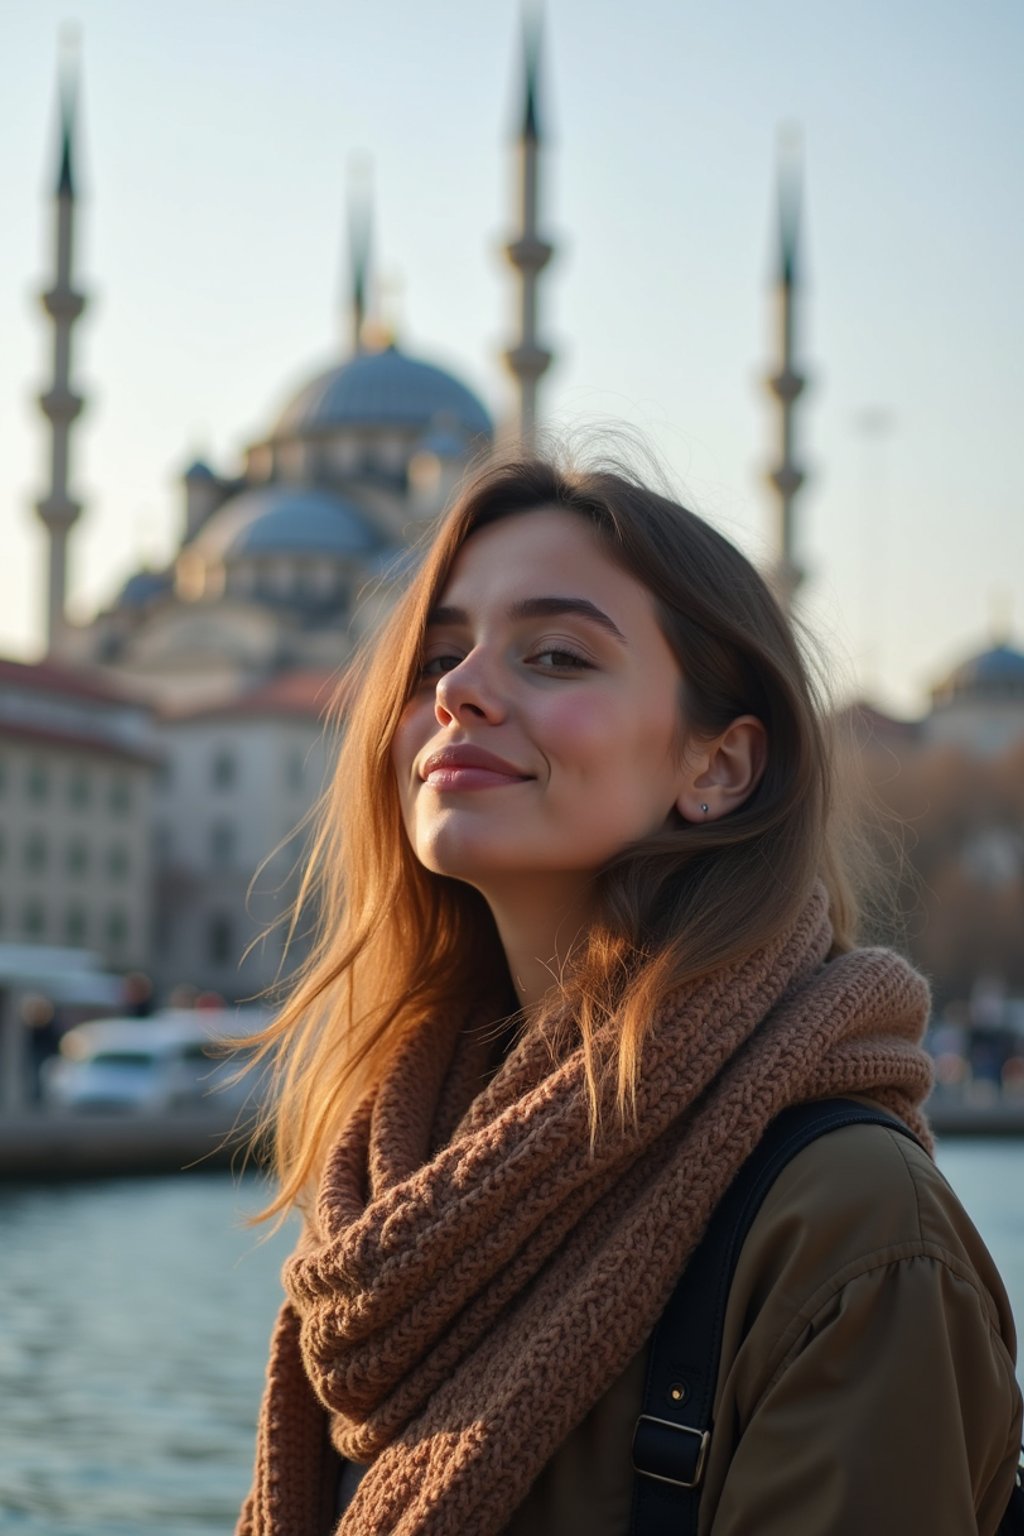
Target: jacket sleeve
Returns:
[889, 1412]
[886, 1416]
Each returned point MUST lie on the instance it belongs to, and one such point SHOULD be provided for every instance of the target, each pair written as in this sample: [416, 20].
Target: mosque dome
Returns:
[383, 389]
[994, 674]
[285, 520]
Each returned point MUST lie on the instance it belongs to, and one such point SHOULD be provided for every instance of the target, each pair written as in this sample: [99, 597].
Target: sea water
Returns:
[134, 1320]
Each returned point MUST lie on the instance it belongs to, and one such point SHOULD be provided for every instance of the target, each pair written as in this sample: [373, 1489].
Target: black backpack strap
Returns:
[673, 1432]
[1012, 1523]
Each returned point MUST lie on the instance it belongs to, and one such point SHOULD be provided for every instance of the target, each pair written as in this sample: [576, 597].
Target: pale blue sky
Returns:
[214, 144]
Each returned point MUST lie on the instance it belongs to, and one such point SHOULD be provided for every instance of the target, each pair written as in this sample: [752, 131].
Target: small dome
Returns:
[285, 519]
[996, 673]
[142, 587]
[197, 470]
[383, 389]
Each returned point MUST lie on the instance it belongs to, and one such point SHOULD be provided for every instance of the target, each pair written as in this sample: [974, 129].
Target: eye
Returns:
[436, 666]
[555, 658]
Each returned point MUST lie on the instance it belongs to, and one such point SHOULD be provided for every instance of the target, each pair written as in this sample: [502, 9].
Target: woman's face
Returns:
[545, 731]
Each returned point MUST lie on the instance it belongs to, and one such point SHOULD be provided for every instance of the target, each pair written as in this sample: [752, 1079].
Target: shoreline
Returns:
[45, 1146]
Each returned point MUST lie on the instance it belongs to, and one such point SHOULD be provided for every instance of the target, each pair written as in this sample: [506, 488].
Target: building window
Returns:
[33, 920]
[117, 928]
[3, 845]
[35, 852]
[3, 774]
[162, 844]
[220, 943]
[75, 926]
[224, 769]
[79, 788]
[117, 861]
[120, 794]
[78, 856]
[222, 845]
[38, 780]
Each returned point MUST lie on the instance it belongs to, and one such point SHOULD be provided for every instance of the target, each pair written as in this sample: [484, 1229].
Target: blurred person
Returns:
[43, 1032]
[587, 925]
[138, 995]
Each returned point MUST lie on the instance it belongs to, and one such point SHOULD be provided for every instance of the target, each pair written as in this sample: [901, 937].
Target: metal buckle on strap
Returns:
[702, 1435]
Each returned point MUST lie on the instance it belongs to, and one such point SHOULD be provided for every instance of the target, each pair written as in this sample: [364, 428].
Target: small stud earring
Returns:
[704, 807]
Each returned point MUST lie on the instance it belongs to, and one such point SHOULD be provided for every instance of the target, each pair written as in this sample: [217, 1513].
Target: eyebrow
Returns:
[537, 608]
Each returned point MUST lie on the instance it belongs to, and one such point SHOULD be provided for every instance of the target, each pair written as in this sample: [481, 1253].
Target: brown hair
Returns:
[394, 941]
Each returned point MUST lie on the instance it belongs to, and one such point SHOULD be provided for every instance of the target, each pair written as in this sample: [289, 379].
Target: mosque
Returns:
[284, 562]
[282, 566]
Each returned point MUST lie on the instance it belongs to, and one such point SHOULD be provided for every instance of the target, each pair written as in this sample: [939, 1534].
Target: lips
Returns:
[468, 767]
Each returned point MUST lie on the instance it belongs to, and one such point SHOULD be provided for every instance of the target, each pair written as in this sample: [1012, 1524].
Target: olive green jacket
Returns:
[867, 1377]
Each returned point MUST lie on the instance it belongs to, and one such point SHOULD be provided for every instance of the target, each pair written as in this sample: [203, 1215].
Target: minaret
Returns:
[358, 254]
[60, 403]
[787, 384]
[529, 254]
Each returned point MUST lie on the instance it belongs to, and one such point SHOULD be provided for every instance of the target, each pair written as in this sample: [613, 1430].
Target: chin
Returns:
[470, 865]
[477, 861]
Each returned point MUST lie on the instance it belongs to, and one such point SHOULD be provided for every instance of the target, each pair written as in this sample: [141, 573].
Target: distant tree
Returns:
[946, 831]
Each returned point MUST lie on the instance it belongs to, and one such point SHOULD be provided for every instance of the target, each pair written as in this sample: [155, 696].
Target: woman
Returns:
[585, 930]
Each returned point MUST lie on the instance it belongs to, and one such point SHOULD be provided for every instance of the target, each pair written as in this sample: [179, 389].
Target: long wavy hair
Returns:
[394, 942]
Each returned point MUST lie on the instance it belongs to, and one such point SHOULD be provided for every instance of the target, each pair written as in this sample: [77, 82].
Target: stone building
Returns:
[237, 781]
[77, 766]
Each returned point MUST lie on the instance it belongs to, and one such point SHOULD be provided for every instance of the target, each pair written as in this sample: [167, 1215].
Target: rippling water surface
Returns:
[134, 1318]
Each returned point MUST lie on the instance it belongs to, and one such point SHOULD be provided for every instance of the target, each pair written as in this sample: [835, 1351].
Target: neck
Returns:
[538, 931]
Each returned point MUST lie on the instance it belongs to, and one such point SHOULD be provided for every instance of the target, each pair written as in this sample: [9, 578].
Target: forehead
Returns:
[545, 550]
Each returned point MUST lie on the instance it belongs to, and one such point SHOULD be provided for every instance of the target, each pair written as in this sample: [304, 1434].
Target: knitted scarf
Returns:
[476, 1278]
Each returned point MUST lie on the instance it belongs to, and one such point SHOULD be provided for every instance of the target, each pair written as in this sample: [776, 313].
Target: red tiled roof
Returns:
[70, 682]
[77, 741]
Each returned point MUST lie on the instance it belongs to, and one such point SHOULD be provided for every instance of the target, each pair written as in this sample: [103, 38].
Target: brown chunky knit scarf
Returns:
[477, 1279]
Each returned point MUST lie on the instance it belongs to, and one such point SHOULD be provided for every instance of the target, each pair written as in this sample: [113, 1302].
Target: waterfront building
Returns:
[77, 764]
[237, 781]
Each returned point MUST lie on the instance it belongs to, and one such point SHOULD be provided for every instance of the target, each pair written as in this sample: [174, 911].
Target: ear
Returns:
[719, 775]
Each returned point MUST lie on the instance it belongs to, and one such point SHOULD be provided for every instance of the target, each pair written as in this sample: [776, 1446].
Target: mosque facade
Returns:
[284, 567]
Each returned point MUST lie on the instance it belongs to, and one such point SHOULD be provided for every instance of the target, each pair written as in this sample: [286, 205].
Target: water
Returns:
[134, 1324]
[134, 1319]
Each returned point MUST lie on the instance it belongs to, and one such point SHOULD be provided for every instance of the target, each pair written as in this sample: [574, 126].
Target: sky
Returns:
[215, 144]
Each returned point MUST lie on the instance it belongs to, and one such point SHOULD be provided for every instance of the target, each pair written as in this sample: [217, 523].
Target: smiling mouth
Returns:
[463, 776]
[466, 765]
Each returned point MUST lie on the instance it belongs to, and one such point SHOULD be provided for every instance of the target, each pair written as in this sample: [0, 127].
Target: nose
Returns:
[468, 692]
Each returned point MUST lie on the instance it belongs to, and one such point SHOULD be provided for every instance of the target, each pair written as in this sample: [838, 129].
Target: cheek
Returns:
[620, 745]
[410, 736]
[580, 732]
